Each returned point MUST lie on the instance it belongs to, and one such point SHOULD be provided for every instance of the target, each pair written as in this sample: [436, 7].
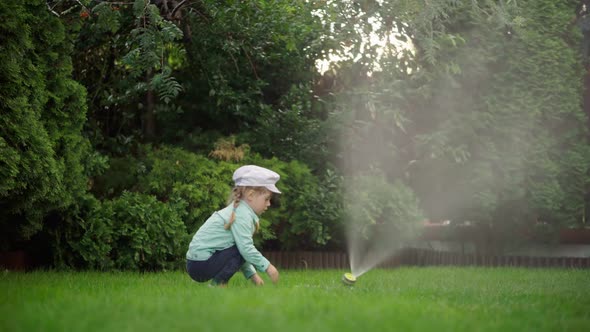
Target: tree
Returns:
[123, 56]
[44, 158]
[503, 138]
[481, 117]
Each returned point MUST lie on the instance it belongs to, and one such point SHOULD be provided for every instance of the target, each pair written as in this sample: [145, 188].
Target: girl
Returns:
[223, 244]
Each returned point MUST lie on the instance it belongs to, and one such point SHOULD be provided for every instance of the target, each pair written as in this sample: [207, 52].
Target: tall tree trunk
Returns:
[587, 94]
[149, 118]
[587, 111]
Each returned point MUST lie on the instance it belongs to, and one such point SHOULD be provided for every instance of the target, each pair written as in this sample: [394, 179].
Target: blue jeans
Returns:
[220, 267]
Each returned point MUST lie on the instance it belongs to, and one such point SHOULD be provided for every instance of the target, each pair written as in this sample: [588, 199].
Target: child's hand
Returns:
[273, 273]
[257, 280]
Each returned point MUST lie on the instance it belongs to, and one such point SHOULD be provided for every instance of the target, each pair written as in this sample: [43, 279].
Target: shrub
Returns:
[147, 234]
[95, 242]
[372, 204]
[307, 212]
[178, 175]
[307, 215]
[42, 149]
[122, 174]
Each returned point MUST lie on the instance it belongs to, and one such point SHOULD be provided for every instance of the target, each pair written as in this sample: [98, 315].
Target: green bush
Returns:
[308, 212]
[42, 150]
[372, 203]
[122, 174]
[304, 216]
[178, 175]
[307, 215]
[170, 174]
[146, 234]
[92, 237]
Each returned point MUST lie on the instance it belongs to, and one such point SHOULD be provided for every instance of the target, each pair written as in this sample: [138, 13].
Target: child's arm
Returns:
[242, 230]
[250, 273]
[248, 270]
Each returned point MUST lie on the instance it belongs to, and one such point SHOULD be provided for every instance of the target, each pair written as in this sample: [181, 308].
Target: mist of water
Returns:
[362, 257]
[443, 192]
[367, 251]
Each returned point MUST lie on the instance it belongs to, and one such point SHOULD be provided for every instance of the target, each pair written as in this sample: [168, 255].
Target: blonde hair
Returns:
[239, 193]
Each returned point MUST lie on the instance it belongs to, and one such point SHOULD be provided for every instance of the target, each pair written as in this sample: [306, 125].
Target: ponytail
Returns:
[236, 196]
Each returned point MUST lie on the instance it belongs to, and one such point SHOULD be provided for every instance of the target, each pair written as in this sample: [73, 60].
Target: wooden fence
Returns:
[308, 259]
[419, 257]
[408, 257]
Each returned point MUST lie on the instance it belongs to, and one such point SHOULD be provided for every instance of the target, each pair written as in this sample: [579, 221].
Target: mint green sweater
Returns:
[212, 237]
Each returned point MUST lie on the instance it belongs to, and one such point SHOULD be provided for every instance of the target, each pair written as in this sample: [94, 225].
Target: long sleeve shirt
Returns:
[212, 237]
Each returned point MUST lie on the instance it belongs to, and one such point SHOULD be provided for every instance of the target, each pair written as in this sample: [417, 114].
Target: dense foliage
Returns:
[133, 232]
[484, 123]
[122, 122]
[510, 139]
[45, 160]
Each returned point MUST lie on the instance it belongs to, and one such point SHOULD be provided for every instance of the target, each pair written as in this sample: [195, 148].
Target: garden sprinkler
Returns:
[348, 279]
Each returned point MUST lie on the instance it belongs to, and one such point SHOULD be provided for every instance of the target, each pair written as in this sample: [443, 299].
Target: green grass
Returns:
[405, 299]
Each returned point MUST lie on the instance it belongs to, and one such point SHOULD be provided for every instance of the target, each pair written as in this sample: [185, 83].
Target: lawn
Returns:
[405, 299]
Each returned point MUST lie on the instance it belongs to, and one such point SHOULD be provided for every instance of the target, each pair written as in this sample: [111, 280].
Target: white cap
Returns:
[256, 176]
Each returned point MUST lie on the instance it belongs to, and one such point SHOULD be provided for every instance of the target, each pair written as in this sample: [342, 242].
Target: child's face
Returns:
[258, 201]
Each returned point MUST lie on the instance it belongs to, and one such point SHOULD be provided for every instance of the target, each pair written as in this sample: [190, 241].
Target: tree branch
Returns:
[83, 6]
[51, 9]
[251, 63]
[176, 8]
